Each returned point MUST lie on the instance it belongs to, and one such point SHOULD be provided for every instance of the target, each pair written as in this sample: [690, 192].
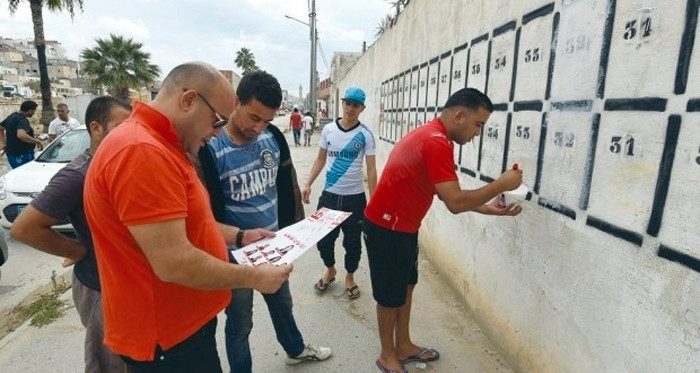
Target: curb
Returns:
[67, 295]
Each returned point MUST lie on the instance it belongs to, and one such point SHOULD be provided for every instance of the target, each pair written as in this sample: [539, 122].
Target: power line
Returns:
[323, 56]
[338, 33]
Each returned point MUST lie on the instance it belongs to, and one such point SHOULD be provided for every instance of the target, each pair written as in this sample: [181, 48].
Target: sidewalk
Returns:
[348, 327]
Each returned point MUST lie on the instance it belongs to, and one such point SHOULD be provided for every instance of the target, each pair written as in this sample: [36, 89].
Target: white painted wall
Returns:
[601, 272]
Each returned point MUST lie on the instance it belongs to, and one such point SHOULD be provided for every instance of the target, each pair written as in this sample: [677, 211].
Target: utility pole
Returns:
[312, 85]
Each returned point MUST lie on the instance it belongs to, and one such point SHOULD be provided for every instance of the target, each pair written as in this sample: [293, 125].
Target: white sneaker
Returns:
[310, 353]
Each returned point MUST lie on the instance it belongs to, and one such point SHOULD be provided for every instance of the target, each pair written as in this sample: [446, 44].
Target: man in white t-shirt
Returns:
[343, 146]
[63, 123]
[308, 124]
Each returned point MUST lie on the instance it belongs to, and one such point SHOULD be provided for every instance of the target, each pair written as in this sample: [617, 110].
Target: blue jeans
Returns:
[297, 136]
[20, 159]
[239, 323]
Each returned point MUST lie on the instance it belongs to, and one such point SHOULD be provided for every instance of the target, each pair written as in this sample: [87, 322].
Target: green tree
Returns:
[245, 60]
[37, 7]
[118, 64]
[384, 24]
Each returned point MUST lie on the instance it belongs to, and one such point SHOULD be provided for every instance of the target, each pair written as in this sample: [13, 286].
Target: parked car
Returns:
[3, 251]
[19, 186]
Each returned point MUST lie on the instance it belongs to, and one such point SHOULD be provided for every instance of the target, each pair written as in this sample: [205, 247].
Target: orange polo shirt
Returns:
[139, 175]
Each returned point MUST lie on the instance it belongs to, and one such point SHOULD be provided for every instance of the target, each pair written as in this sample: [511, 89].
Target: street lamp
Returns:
[313, 36]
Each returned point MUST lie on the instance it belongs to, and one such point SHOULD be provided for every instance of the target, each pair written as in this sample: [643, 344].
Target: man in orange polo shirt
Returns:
[161, 255]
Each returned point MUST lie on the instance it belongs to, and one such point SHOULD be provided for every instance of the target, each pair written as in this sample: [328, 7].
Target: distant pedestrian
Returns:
[17, 135]
[308, 124]
[63, 198]
[343, 145]
[62, 123]
[295, 126]
[420, 166]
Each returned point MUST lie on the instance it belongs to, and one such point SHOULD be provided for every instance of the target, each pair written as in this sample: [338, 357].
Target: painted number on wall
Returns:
[564, 139]
[492, 133]
[476, 69]
[457, 75]
[433, 80]
[641, 28]
[577, 44]
[500, 62]
[522, 132]
[532, 55]
[617, 145]
[697, 160]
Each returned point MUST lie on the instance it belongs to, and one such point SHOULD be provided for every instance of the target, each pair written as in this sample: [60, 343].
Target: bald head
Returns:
[192, 75]
[193, 97]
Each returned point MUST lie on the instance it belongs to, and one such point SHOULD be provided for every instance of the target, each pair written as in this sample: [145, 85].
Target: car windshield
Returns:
[66, 147]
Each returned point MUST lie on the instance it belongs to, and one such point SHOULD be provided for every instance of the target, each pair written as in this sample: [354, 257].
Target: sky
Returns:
[176, 31]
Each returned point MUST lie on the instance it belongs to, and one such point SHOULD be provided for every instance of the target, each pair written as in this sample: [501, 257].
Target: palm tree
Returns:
[245, 60]
[119, 64]
[36, 7]
[384, 24]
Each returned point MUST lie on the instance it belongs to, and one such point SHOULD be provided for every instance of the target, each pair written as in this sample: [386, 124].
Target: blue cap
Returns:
[355, 94]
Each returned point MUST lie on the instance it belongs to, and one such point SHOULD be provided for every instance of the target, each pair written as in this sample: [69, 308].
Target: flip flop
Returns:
[387, 370]
[353, 292]
[419, 356]
[321, 286]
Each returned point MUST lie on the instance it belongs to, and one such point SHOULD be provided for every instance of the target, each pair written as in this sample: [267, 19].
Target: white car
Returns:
[19, 186]
[4, 252]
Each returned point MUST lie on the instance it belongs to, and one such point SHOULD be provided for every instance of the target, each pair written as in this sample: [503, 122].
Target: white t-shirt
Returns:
[345, 152]
[59, 126]
[308, 122]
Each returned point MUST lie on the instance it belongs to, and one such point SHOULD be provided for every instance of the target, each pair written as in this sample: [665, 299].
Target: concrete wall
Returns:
[599, 104]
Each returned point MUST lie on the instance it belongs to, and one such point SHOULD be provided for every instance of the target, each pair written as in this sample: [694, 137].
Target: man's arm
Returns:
[249, 235]
[494, 208]
[24, 136]
[458, 200]
[52, 131]
[371, 162]
[174, 259]
[33, 228]
[316, 168]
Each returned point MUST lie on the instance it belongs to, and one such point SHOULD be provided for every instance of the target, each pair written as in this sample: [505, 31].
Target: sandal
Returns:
[352, 292]
[321, 286]
[419, 356]
[387, 370]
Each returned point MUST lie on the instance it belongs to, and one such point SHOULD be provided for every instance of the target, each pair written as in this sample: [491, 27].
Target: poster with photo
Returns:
[292, 241]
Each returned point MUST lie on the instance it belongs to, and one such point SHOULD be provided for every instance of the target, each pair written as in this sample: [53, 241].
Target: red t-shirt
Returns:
[405, 190]
[296, 121]
[139, 175]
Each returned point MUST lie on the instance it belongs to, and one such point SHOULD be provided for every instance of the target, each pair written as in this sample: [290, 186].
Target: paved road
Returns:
[26, 268]
[348, 327]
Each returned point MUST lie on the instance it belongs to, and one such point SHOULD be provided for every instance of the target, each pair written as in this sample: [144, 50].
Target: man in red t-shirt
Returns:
[162, 258]
[420, 166]
[295, 126]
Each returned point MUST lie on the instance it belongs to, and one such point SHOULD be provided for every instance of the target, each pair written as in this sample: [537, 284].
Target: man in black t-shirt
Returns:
[63, 198]
[18, 135]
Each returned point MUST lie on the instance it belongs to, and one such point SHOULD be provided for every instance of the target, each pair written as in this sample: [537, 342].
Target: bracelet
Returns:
[239, 237]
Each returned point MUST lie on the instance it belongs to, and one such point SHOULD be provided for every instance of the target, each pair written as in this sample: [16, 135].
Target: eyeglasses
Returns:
[220, 121]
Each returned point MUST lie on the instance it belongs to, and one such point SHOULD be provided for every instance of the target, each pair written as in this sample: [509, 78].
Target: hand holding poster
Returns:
[292, 241]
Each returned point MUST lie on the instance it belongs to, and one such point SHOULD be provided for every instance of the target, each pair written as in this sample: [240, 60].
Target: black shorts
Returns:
[393, 263]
